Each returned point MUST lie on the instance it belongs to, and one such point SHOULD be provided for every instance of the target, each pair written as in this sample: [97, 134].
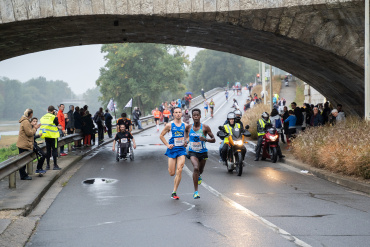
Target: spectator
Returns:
[247, 105]
[136, 117]
[316, 118]
[108, 122]
[183, 103]
[326, 112]
[100, 123]
[49, 126]
[341, 112]
[26, 138]
[291, 120]
[276, 122]
[186, 117]
[62, 122]
[286, 125]
[337, 116]
[87, 128]
[71, 120]
[78, 124]
[41, 156]
[298, 113]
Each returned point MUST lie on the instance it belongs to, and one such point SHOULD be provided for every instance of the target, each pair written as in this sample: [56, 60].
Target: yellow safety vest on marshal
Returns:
[262, 123]
[48, 128]
[229, 130]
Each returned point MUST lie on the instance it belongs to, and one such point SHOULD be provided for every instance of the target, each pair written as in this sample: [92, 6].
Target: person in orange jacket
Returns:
[62, 122]
[166, 115]
[157, 115]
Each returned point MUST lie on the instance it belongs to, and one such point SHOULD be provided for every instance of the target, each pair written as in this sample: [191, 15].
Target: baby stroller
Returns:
[124, 149]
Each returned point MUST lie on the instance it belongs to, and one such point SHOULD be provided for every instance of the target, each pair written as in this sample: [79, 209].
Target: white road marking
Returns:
[189, 204]
[251, 214]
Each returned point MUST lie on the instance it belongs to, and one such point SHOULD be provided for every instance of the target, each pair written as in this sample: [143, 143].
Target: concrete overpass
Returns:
[320, 41]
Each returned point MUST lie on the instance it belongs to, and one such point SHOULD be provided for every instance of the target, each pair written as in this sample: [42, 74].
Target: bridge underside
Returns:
[340, 80]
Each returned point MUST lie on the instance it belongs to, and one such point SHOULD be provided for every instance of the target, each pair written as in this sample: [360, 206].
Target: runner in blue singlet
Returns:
[176, 148]
[196, 136]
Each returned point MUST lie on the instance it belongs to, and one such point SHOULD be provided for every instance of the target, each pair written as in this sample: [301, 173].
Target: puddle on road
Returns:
[99, 181]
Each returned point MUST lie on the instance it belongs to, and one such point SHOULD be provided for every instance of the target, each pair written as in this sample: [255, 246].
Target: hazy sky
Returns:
[78, 66]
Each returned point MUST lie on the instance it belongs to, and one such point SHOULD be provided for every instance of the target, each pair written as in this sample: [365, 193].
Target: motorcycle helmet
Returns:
[230, 115]
[238, 114]
[265, 116]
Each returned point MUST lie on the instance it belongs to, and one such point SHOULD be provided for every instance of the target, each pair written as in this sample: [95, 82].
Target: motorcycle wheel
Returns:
[274, 155]
[239, 165]
[227, 166]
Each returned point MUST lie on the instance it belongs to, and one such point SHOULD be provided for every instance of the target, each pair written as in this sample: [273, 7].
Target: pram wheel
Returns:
[131, 153]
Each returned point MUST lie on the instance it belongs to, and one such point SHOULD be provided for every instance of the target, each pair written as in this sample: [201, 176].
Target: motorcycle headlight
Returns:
[273, 138]
[238, 142]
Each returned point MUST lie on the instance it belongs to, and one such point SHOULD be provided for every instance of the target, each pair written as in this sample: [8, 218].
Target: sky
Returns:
[78, 66]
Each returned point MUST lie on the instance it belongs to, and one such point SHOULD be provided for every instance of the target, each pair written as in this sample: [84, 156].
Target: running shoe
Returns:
[196, 195]
[200, 179]
[174, 196]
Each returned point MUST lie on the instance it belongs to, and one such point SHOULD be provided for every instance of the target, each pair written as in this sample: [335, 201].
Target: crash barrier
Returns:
[12, 165]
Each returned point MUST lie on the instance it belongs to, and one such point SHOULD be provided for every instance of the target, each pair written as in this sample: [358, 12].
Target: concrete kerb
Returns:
[344, 181]
[27, 209]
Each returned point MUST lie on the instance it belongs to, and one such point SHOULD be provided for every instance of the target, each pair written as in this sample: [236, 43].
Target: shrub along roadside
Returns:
[251, 116]
[343, 148]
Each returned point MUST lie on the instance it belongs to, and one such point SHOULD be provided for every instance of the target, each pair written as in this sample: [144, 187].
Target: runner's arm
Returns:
[208, 131]
[187, 134]
[133, 141]
[166, 129]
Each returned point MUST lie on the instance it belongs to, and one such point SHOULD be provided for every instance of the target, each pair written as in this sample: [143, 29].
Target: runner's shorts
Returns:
[200, 156]
[165, 119]
[156, 119]
[175, 152]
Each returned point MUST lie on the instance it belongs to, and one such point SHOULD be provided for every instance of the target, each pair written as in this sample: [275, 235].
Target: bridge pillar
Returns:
[367, 63]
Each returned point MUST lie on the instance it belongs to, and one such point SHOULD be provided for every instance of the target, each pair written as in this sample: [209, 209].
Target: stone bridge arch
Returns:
[320, 41]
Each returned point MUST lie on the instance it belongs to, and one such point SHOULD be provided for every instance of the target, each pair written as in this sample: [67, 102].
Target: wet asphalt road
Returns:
[269, 205]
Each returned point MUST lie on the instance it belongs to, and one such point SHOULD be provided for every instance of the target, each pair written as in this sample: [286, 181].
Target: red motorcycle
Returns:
[270, 144]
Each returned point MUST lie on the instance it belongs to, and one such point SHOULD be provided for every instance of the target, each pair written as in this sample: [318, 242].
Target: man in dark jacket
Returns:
[70, 126]
[77, 124]
[316, 118]
[298, 113]
[136, 114]
[108, 122]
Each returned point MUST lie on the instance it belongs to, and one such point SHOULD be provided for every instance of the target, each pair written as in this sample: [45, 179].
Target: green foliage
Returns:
[6, 153]
[37, 94]
[211, 69]
[141, 72]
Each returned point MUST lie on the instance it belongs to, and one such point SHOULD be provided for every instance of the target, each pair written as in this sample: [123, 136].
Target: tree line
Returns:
[148, 73]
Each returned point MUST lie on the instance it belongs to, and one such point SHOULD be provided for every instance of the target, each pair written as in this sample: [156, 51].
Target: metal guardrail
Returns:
[12, 165]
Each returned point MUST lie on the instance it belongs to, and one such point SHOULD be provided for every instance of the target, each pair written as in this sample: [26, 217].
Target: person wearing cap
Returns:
[49, 131]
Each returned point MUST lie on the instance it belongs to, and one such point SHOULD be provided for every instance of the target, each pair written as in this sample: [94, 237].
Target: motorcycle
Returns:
[235, 156]
[270, 144]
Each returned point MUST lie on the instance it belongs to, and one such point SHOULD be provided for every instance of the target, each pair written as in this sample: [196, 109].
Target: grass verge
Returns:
[342, 149]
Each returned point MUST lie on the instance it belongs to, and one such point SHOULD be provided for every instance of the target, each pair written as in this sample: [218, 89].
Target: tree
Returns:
[211, 69]
[141, 72]
[91, 97]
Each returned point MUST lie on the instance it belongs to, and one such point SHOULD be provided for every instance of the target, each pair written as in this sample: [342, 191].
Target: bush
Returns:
[342, 149]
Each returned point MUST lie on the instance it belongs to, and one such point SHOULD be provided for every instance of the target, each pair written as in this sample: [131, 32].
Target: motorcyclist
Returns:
[262, 124]
[238, 117]
[228, 129]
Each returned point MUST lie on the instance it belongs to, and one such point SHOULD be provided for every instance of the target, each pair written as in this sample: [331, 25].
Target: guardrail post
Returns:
[30, 168]
[69, 147]
[12, 180]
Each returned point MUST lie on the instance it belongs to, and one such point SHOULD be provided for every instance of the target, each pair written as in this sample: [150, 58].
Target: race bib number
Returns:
[124, 140]
[196, 146]
[179, 141]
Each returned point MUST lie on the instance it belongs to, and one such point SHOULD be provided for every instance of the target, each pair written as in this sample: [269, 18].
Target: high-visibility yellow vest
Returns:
[262, 123]
[229, 130]
[48, 128]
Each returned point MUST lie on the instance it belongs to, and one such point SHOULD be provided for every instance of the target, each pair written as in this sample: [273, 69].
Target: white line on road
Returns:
[251, 214]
